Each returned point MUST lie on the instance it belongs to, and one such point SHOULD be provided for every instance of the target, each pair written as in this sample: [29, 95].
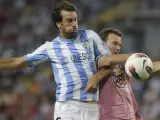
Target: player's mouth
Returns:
[74, 30]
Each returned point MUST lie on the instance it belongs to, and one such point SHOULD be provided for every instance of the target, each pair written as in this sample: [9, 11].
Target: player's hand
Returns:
[92, 85]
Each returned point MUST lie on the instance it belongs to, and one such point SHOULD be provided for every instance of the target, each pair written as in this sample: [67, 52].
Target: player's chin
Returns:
[115, 53]
[74, 34]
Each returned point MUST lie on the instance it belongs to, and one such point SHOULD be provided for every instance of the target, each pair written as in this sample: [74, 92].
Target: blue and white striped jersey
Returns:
[73, 63]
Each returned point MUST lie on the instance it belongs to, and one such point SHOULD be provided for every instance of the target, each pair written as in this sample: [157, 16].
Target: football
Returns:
[139, 66]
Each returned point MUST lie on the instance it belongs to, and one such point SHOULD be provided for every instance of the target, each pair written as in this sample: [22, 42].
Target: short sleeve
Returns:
[99, 46]
[38, 56]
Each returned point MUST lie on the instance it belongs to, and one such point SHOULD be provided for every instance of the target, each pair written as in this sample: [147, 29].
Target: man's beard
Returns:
[71, 35]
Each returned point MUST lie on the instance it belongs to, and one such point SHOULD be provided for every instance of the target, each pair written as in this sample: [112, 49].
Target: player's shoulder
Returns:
[87, 33]
[82, 31]
[50, 43]
[53, 41]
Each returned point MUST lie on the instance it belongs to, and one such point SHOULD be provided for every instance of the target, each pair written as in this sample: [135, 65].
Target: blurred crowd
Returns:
[29, 94]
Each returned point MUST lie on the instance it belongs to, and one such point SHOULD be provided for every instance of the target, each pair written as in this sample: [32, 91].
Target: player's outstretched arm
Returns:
[106, 61]
[39, 55]
[13, 63]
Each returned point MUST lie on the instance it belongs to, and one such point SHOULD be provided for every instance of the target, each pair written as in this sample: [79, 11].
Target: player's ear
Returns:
[58, 24]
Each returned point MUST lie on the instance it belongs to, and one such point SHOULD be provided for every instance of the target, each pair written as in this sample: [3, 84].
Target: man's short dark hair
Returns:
[106, 31]
[62, 5]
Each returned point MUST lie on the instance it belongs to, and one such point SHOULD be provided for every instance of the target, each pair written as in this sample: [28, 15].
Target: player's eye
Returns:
[115, 43]
[75, 20]
[69, 20]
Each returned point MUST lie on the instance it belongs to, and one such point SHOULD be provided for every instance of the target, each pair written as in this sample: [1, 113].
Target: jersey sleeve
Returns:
[99, 46]
[38, 56]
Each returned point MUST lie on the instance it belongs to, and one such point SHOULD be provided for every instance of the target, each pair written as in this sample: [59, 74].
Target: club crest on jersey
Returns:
[85, 45]
[119, 77]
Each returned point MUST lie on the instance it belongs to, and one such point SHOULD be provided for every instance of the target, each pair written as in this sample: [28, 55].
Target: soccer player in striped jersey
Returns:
[73, 55]
[116, 99]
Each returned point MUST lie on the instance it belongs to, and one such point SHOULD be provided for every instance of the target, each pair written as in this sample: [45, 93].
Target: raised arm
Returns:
[106, 61]
[13, 63]
[102, 73]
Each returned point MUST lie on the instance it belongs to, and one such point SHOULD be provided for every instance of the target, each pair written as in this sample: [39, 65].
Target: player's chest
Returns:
[71, 53]
[119, 78]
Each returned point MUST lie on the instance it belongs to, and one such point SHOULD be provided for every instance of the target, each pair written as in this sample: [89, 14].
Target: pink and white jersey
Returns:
[116, 100]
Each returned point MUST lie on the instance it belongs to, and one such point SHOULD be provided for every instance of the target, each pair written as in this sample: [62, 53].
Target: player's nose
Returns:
[74, 23]
[118, 48]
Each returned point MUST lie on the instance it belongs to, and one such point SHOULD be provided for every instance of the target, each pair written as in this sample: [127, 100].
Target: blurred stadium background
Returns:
[28, 94]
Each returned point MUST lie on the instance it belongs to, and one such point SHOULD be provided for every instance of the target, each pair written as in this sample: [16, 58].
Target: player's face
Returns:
[69, 24]
[114, 43]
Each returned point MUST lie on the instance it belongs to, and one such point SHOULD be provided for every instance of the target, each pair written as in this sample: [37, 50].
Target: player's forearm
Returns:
[12, 63]
[156, 66]
[119, 59]
[105, 61]
[95, 79]
[100, 75]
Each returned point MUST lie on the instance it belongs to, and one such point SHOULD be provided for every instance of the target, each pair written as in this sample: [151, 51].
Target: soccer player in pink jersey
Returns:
[119, 103]
[116, 99]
